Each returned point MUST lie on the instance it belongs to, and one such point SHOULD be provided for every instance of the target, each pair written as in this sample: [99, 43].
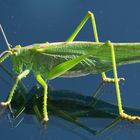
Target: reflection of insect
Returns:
[70, 59]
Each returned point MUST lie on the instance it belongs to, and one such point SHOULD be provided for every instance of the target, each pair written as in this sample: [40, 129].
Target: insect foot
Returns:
[129, 117]
[5, 103]
[45, 121]
[112, 80]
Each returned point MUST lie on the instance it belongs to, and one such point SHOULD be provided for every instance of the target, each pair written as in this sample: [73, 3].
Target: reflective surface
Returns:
[29, 22]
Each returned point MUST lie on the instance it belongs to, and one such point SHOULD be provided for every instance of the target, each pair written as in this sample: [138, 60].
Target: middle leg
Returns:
[45, 86]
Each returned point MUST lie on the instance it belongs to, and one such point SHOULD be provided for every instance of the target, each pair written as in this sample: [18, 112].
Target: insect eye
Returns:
[17, 46]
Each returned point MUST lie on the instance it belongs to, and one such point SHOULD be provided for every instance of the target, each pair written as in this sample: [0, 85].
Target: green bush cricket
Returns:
[71, 59]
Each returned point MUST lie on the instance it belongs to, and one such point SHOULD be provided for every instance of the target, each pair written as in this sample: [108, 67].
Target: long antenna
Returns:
[5, 38]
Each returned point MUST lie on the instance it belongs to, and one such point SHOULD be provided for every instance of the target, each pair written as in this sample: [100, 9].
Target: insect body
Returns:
[43, 59]
[71, 59]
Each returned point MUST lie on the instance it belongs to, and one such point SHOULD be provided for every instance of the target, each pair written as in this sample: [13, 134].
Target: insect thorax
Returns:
[19, 58]
[24, 58]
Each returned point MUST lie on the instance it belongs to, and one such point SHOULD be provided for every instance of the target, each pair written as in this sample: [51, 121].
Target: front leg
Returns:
[19, 77]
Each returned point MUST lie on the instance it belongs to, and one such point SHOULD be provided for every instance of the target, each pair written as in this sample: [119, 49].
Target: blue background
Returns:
[33, 21]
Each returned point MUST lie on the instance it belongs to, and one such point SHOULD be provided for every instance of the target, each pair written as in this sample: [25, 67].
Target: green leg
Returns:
[19, 77]
[95, 34]
[4, 55]
[65, 66]
[122, 114]
[82, 23]
[44, 85]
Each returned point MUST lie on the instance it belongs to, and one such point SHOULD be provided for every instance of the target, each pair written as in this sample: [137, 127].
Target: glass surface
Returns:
[31, 21]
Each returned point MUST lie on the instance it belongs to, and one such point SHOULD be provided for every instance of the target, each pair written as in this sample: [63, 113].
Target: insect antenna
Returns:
[5, 38]
[8, 52]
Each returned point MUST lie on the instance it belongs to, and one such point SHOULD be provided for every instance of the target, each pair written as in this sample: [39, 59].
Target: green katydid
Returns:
[71, 59]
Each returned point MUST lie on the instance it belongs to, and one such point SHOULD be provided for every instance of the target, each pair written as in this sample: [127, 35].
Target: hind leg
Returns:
[120, 107]
[95, 34]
